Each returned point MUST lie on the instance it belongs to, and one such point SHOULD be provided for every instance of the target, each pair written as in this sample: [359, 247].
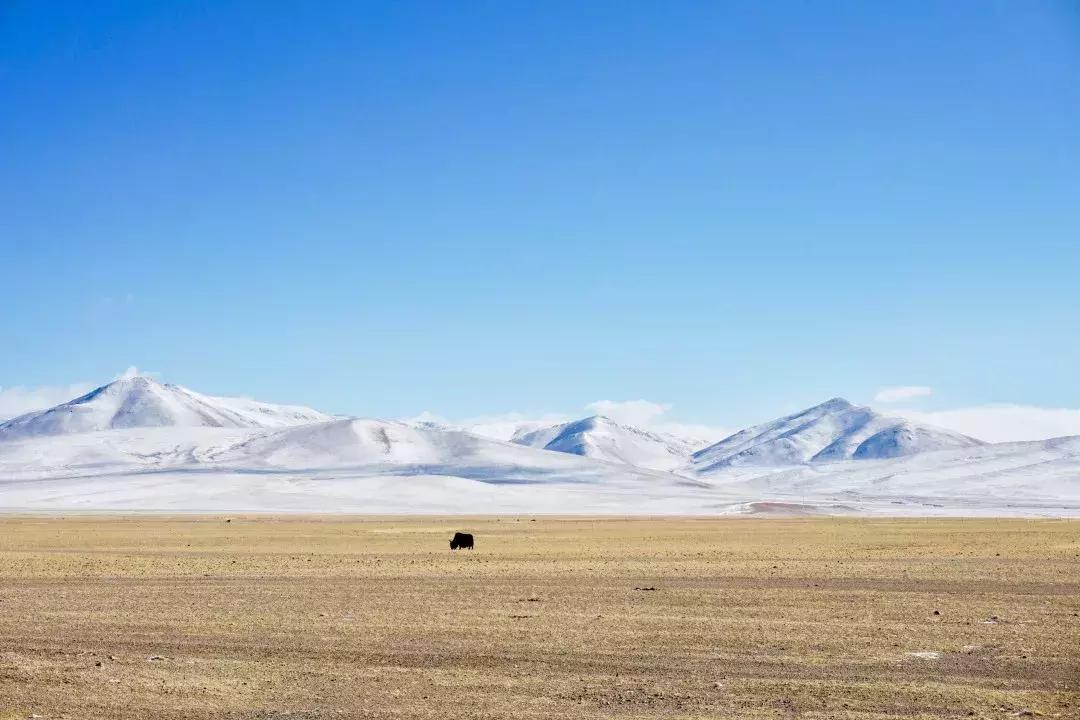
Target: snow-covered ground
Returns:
[138, 445]
[345, 465]
[1008, 478]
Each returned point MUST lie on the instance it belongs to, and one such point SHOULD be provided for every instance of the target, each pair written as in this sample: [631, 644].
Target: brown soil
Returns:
[274, 617]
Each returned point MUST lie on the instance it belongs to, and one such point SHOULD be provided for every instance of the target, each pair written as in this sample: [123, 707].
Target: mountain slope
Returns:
[139, 401]
[364, 442]
[139, 445]
[601, 438]
[503, 430]
[1002, 478]
[343, 465]
[370, 466]
[834, 430]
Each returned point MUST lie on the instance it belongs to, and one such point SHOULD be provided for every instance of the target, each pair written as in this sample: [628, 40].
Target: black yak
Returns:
[461, 540]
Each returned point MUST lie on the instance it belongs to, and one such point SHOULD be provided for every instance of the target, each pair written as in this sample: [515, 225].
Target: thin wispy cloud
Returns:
[632, 412]
[902, 392]
[15, 401]
[500, 426]
[19, 400]
[656, 417]
[1003, 423]
[133, 371]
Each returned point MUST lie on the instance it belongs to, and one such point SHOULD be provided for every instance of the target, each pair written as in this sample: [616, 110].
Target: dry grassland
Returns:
[268, 617]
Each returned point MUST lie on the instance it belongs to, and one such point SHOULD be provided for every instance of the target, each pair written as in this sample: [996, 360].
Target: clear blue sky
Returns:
[381, 208]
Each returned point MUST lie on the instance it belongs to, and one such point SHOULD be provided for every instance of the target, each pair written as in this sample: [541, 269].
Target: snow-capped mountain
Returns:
[137, 444]
[834, 430]
[364, 442]
[342, 465]
[140, 401]
[601, 438]
[1038, 476]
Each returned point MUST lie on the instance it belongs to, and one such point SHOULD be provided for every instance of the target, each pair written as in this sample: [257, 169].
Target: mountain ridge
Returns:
[141, 401]
[137, 444]
[834, 430]
[602, 438]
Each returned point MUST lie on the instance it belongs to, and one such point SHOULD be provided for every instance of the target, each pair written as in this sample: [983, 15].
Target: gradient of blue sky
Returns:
[739, 209]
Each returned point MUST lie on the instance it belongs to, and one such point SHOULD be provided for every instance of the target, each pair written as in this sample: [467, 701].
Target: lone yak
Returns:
[461, 540]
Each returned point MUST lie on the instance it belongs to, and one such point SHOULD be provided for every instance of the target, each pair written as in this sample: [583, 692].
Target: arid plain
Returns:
[313, 617]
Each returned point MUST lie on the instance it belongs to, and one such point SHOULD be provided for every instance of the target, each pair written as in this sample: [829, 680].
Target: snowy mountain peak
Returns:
[602, 438]
[593, 422]
[122, 384]
[836, 404]
[141, 401]
[834, 430]
[139, 444]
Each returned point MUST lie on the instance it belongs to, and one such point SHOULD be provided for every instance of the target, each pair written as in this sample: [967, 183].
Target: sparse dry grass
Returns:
[374, 617]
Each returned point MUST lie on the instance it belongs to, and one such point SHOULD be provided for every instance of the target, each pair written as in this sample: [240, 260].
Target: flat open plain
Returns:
[325, 617]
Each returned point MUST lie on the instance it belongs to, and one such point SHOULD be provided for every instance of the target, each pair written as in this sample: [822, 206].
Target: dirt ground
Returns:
[320, 617]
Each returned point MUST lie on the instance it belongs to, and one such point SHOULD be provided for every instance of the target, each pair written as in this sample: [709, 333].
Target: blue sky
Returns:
[735, 209]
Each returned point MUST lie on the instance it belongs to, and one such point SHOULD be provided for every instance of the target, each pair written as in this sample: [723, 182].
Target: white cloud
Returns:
[653, 416]
[502, 426]
[902, 392]
[133, 371]
[15, 401]
[704, 434]
[426, 417]
[1002, 423]
[631, 412]
[18, 400]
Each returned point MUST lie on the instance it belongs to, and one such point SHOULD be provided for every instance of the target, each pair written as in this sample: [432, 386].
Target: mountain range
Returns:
[140, 401]
[602, 438]
[139, 444]
[833, 430]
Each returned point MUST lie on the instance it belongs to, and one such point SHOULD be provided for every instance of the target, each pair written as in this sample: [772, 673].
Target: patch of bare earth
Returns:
[272, 617]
